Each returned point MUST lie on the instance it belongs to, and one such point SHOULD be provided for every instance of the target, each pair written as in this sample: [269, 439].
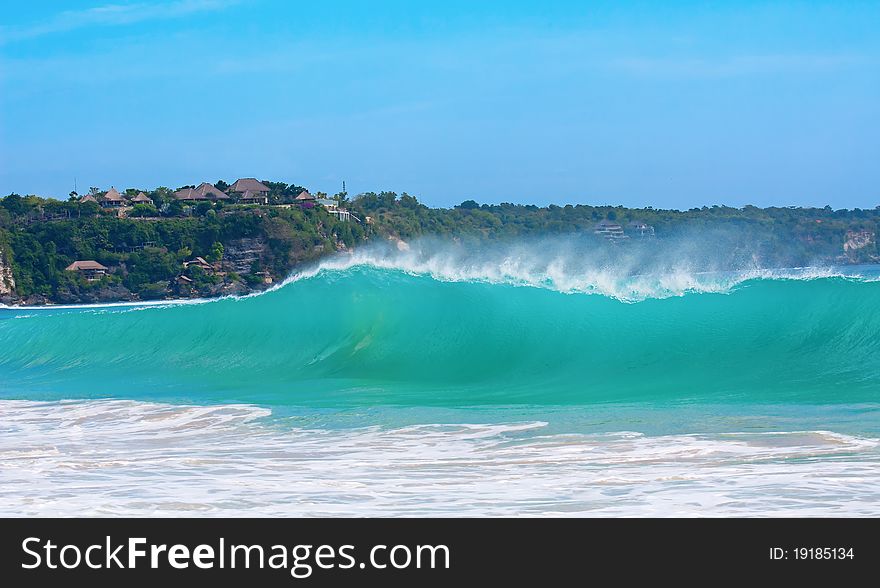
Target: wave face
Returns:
[368, 331]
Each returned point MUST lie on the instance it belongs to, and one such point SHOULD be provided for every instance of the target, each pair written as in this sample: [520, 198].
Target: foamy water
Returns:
[566, 271]
[121, 457]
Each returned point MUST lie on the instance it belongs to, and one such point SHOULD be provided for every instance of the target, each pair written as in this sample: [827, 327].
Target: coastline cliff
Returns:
[7, 280]
[89, 250]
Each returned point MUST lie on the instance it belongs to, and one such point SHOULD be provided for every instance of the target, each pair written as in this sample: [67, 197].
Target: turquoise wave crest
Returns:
[357, 335]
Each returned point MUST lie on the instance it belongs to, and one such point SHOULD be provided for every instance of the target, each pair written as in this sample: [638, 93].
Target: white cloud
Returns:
[739, 65]
[111, 15]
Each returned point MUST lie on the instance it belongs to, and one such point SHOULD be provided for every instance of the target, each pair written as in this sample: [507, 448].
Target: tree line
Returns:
[42, 236]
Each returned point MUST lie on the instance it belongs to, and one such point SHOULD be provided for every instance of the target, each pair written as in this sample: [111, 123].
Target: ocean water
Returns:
[412, 385]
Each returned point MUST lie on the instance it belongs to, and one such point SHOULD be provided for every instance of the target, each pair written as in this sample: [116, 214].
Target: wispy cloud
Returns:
[738, 65]
[111, 15]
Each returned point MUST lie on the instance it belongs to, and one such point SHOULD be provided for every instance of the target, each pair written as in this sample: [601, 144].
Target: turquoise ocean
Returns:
[412, 384]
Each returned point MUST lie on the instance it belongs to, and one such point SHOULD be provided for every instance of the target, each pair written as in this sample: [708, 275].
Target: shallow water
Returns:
[133, 458]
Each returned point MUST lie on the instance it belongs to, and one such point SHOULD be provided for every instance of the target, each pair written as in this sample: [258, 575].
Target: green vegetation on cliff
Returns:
[42, 237]
[247, 246]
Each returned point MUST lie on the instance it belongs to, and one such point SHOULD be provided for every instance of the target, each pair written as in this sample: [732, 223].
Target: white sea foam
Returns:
[550, 264]
[564, 270]
[132, 458]
[132, 305]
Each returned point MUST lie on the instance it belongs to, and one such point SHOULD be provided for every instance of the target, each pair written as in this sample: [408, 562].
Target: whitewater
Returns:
[428, 380]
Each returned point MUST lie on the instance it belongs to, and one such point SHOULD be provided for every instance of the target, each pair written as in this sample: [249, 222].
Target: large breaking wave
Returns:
[429, 326]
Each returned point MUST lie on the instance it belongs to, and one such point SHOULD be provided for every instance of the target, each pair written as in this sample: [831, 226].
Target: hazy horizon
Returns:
[678, 105]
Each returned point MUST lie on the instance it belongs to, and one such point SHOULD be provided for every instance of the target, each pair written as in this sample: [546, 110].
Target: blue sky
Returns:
[668, 104]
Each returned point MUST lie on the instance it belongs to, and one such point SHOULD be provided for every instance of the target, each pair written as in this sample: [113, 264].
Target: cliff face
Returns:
[859, 246]
[240, 255]
[7, 282]
[857, 240]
